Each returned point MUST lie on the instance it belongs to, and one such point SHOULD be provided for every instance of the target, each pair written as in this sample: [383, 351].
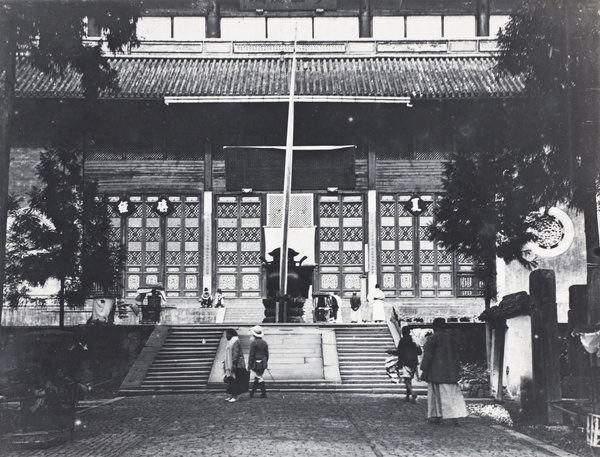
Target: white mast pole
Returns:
[287, 183]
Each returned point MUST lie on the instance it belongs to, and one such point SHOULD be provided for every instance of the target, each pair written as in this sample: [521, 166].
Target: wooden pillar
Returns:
[545, 349]
[213, 19]
[577, 356]
[365, 19]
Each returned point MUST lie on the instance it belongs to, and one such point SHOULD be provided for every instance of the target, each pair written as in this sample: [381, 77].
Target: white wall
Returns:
[388, 27]
[424, 27]
[243, 28]
[460, 27]
[289, 28]
[336, 28]
[189, 28]
[154, 28]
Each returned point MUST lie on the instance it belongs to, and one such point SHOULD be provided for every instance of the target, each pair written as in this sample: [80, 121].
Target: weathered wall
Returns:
[569, 268]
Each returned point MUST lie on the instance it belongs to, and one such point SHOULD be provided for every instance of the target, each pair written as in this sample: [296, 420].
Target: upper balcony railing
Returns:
[358, 47]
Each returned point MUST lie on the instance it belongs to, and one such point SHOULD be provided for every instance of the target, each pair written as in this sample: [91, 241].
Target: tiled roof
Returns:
[423, 77]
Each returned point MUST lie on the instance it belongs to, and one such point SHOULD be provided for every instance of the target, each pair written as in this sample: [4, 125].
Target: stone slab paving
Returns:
[295, 424]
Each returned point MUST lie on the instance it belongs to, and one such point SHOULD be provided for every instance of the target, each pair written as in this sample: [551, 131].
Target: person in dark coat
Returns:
[234, 365]
[408, 359]
[440, 367]
[258, 360]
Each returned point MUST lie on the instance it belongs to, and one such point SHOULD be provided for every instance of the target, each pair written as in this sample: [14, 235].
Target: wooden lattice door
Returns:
[239, 236]
[341, 244]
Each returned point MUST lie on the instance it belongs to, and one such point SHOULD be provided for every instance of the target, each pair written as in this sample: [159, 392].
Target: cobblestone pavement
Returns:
[284, 424]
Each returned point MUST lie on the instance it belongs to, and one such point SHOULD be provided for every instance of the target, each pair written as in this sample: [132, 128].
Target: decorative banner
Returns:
[124, 207]
[163, 206]
[415, 206]
[287, 5]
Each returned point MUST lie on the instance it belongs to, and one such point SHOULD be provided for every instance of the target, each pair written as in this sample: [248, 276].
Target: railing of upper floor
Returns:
[364, 47]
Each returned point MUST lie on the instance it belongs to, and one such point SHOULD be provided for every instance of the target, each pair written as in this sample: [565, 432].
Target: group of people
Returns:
[237, 377]
[378, 309]
[206, 299]
[440, 368]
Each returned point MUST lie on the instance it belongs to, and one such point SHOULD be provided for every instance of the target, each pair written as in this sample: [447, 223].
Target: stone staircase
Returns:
[361, 354]
[248, 311]
[182, 364]
[179, 359]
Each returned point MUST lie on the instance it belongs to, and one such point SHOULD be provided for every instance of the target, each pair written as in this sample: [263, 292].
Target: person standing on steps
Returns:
[355, 304]
[408, 359]
[378, 310]
[234, 365]
[440, 367]
[258, 360]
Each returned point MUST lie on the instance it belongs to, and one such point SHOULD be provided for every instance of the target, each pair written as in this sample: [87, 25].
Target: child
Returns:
[219, 299]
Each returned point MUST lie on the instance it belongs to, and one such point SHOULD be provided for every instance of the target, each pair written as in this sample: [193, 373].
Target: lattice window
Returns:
[352, 234]
[300, 210]
[388, 209]
[250, 258]
[227, 258]
[227, 234]
[152, 258]
[426, 257]
[191, 258]
[152, 234]
[192, 210]
[405, 233]
[227, 211]
[173, 258]
[192, 234]
[353, 257]
[352, 209]
[388, 257]
[329, 209]
[250, 210]
[174, 234]
[388, 233]
[329, 257]
[250, 234]
[406, 257]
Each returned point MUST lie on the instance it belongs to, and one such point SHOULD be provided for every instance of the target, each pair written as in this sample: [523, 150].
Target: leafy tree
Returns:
[52, 33]
[519, 155]
[64, 233]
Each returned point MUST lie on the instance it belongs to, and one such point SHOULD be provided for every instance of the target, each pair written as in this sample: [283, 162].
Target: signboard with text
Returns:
[287, 5]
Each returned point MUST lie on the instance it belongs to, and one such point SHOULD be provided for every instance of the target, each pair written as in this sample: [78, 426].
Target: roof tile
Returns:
[156, 78]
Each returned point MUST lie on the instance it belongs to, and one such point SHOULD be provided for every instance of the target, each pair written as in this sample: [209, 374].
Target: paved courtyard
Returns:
[294, 424]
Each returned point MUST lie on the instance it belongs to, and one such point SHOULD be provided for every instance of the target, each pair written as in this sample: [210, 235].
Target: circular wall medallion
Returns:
[554, 233]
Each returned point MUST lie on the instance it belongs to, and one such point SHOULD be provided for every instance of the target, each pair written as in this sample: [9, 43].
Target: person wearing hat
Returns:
[440, 367]
[258, 360]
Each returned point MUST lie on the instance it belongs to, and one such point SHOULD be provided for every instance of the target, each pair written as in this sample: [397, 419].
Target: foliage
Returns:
[516, 156]
[553, 46]
[16, 291]
[53, 35]
[64, 233]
